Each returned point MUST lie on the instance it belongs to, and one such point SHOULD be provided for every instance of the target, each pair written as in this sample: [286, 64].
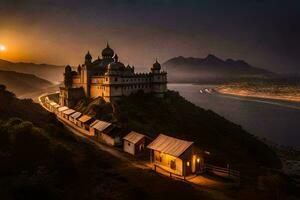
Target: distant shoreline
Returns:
[247, 93]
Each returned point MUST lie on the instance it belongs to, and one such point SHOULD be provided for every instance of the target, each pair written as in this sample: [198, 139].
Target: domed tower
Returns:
[107, 53]
[85, 74]
[68, 79]
[88, 58]
[159, 80]
[156, 68]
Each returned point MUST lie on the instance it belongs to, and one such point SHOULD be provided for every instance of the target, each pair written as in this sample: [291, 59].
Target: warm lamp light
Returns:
[198, 160]
[188, 163]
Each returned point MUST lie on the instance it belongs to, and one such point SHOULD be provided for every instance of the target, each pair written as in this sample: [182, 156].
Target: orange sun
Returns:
[2, 47]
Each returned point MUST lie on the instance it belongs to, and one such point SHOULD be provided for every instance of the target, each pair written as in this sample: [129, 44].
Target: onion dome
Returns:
[88, 56]
[108, 52]
[156, 65]
[68, 68]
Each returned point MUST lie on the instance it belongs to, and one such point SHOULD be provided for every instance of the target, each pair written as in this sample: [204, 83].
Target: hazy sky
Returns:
[265, 33]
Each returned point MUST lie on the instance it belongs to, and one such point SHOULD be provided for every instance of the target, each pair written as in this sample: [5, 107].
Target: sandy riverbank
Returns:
[251, 93]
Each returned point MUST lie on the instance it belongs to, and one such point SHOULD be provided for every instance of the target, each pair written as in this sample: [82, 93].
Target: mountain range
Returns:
[21, 83]
[211, 69]
[49, 72]
[180, 69]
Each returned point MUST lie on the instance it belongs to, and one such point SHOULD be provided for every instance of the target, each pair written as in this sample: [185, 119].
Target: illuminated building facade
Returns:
[110, 79]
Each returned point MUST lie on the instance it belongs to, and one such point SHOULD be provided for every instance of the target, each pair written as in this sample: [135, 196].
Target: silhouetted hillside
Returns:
[52, 73]
[21, 83]
[40, 159]
[173, 115]
[210, 69]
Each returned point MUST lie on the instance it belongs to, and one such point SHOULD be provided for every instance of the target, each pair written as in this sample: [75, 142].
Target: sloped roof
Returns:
[53, 103]
[69, 111]
[76, 115]
[84, 118]
[170, 145]
[133, 137]
[100, 125]
[95, 122]
[114, 131]
[63, 108]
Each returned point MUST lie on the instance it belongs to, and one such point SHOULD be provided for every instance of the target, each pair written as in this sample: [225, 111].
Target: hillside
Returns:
[173, 115]
[40, 159]
[52, 73]
[21, 83]
[210, 69]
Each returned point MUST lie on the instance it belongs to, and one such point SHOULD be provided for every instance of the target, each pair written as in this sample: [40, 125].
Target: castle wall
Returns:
[114, 83]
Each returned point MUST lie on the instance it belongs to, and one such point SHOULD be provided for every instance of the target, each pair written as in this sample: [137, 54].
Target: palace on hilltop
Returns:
[110, 79]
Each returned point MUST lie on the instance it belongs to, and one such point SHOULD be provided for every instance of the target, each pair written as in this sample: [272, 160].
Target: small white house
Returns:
[112, 135]
[61, 110]
[133, 143]
[98, 126]
[84, 121]
[55, 108]
[74, 117]
[68, 112]
[52, 106]
[177, 156]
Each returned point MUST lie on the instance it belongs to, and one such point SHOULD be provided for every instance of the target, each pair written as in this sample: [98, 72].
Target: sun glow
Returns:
[2, 47]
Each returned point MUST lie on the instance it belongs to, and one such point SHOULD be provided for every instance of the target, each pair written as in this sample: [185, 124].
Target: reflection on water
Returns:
[277, 121]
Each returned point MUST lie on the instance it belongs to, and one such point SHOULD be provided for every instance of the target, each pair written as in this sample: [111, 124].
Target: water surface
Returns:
[276, 121]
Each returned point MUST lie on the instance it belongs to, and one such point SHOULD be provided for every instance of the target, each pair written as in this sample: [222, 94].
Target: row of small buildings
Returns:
[171, 154]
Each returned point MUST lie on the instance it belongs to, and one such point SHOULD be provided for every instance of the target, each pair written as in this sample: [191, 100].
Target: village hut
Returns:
[176, 156]
[61, 110]
[51, 106]
[68, 112]
[55, 108]
[74, 117]
[133, 143]
[98, 126]
[84, 121]
[112, 135]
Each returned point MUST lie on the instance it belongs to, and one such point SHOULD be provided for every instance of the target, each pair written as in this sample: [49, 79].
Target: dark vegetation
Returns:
[39, 159]
[22, 83]
[227, 142]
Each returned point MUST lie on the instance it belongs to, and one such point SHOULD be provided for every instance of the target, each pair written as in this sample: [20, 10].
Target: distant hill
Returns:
[52, 73]
[210, 69]
[21, 83]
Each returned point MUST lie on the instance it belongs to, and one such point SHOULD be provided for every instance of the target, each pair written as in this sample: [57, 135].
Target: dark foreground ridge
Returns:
[40, 159]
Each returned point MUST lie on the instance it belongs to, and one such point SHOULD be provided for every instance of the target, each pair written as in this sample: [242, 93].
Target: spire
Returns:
[107, 45]
[116, 57]
[88, 57]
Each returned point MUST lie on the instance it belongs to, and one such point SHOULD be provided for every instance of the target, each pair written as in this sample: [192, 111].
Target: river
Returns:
[278, 122]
